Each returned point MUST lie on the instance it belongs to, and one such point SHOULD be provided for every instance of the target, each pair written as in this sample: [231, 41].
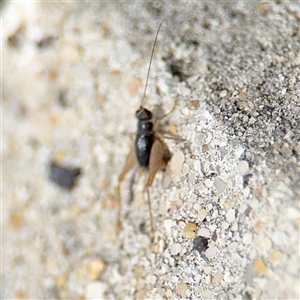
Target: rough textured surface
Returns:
[73, 76]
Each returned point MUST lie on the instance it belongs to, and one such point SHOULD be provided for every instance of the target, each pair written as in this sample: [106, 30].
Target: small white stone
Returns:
[217, 278]
[293, 213]
[233, 246]
[151, 279]
[266, 244]
[175, 249]
[174, 279]
[206, 294]
[223, 93]
[220, 186]
[243, 167]
[197, 165]
[234, 227]
[230, 216]
[246, 192]
[168, 225]
[188, 271]
[208, 183]
[197, 277]
[225, 225]
[278, 238]
[171, 262]
[203, 232]
[207, 279]
[211, 252]
[202, 215]
[254, 203]
[208, 270]
[176, 163]
[95, 290]
[185, 169]
[215, 214]
[247, 238]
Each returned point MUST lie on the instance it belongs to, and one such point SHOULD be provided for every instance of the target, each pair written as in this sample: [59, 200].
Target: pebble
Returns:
[155, 249]
[208, 183]
[254, 204]
[197, 165]
[223, 93]
[204, 232]
[259, 225]
[207, 279]
[190, 230]
[168, 223]
[233, 246]
[260, 267]
[247, 238]
[208, 270]
[225, 225]
[266, 244]
[202, 215]
[246, 192]
[175, 249]
[185, 169]
[140, 295]
[234, 227]
[151, 279]
[276, 255]
[168, 293]
[95, 290]
[197, 278]
[199, 138]
[215, 214]
[278, 238]
[230, 216]
[211, 252]
[220, 186]
[181, 289]
[177, 162]
[174, 279]
[95, 267]
[293, 213]
[217, 278]
[243, 167]
[206, 294]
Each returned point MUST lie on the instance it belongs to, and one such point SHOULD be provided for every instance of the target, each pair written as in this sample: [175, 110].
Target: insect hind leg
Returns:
[158, 160]
[129, 164]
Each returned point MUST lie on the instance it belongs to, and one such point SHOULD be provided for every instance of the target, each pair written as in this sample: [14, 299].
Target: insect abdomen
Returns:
[144, 142]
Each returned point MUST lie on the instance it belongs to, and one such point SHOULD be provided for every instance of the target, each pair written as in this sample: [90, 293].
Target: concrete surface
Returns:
[226, 210]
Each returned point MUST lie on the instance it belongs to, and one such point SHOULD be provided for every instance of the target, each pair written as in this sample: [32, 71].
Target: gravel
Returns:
[74, 75]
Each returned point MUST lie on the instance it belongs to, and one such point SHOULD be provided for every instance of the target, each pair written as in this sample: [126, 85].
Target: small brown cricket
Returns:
[151, 152]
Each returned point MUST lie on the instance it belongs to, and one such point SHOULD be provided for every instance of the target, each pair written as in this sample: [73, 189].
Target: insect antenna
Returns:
[150, 63]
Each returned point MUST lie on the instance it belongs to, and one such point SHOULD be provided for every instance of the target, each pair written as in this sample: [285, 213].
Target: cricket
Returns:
[150, 151]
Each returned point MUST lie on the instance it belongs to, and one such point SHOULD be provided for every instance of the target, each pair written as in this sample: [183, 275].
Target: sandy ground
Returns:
[226, 209]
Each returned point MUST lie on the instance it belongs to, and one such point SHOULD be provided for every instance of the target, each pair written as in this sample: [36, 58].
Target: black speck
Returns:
[45, 42]
[246, 179]
[65, 177]
[200, 244]
[63, 98]
[14, 40]
[247, 211]
[143, 227]
[176, 68]
[248, 296]
[214, 236]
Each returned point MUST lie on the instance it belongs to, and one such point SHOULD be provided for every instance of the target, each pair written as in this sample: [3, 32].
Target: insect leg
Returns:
[156, 162]
[129, 164]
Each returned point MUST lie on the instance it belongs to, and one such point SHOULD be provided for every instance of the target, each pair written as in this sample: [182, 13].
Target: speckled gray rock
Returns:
[74, 77]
